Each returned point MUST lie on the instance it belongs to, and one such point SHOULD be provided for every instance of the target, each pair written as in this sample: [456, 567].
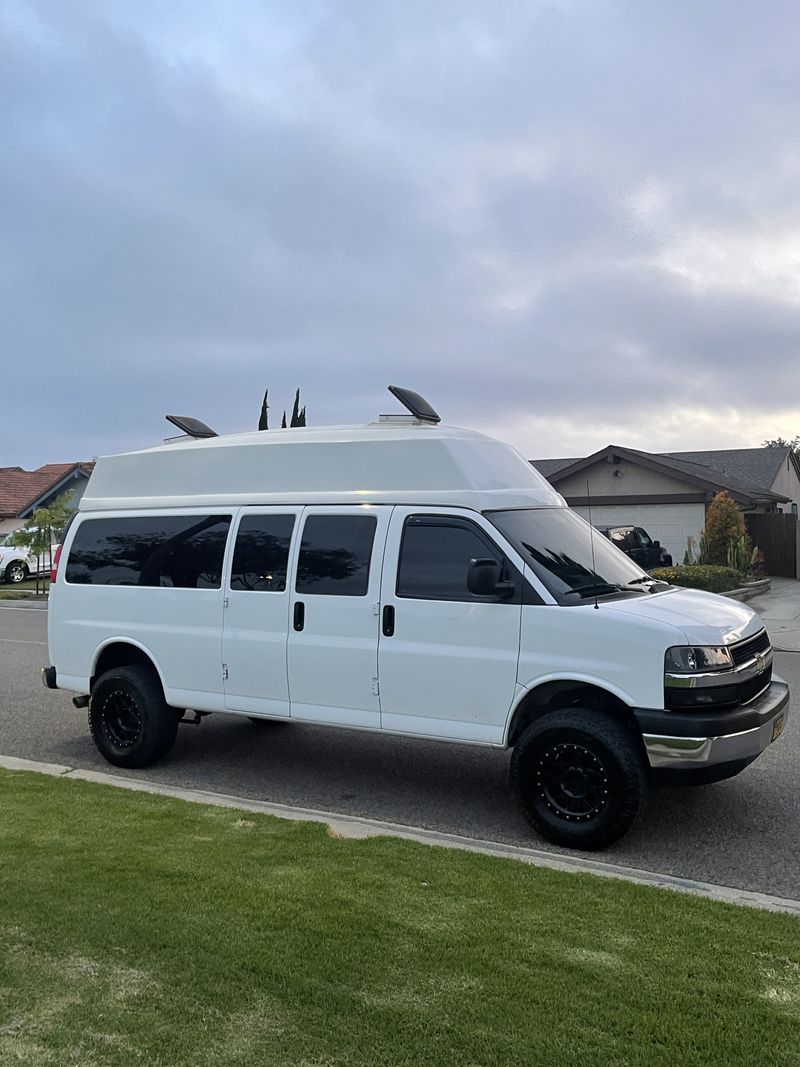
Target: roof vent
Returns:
[191, 427]
[416, 404]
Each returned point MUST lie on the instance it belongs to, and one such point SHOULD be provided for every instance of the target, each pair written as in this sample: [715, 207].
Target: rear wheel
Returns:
[579, 777]
[129, 719]
[16, 572]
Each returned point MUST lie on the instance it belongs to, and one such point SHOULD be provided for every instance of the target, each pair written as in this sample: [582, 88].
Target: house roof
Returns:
[754, 466]
[742, 488]
[20, 489]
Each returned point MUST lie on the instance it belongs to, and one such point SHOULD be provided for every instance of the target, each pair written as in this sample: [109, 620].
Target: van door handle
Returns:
[299, 615]
[388, 620]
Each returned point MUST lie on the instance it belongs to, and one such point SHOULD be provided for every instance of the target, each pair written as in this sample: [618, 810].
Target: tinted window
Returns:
[335, 553]
[261, 555]
[435, 557]
[180, 551]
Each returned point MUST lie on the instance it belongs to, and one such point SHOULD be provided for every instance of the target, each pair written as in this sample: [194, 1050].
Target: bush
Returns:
[699, 576]
[724, 527]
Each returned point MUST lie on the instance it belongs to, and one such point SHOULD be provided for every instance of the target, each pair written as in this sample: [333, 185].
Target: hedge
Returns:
[699, 576]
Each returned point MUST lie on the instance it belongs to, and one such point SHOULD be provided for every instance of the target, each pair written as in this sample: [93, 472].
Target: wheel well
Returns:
[122, 654]
[552, 696]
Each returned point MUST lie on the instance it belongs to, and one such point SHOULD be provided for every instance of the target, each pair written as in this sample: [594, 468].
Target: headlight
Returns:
[686, 659]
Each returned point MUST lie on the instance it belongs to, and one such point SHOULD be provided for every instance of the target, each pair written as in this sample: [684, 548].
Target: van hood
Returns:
[705, 618]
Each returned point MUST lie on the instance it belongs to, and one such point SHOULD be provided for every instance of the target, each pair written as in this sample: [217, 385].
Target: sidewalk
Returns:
[780, 610]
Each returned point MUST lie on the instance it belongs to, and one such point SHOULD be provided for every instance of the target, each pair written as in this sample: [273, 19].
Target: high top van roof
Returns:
[390, 462]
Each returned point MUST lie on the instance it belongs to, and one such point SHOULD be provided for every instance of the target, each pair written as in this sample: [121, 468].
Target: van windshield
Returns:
[557, 545]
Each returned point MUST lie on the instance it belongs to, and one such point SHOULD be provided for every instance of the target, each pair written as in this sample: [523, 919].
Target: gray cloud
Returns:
[521, 213]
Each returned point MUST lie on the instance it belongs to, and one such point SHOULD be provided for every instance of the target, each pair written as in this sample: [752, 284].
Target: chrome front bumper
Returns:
[688, 753]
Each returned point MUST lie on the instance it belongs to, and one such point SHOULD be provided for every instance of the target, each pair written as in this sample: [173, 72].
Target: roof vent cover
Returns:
[416, 404]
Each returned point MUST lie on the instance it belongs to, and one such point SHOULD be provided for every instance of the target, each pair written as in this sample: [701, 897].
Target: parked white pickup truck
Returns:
[17, 564]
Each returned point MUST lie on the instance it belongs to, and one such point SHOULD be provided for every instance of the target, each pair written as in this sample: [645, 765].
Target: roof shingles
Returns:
[20, 488]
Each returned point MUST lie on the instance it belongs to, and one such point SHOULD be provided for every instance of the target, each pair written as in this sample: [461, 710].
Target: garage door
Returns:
[671, 524]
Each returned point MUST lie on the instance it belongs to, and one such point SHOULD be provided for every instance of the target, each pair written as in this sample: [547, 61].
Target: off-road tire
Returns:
[580, 777]
[129, 719]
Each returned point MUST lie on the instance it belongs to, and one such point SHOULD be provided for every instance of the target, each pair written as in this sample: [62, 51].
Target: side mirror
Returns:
[656, 544]
[483, 579]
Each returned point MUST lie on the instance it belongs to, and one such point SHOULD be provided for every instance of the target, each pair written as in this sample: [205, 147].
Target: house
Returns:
[667, 493]
[22, 492]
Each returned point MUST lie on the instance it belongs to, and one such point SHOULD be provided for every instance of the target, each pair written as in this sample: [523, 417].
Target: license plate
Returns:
[777, 728]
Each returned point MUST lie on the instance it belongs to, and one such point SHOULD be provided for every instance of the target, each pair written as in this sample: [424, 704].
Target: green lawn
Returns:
[138, 929]
[22, 590]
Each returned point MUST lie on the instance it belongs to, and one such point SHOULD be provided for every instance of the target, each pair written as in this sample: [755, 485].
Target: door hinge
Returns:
[375, 687]
[224, 602]
[224, 672]
[376, 609]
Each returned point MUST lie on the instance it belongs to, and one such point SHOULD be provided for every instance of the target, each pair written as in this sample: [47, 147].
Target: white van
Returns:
[410, 578]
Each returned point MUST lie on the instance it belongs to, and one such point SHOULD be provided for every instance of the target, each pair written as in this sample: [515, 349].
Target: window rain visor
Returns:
[557, 544]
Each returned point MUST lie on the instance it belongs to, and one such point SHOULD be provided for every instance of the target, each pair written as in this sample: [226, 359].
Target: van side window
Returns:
[435, 554]
[175, 551]
[335, 554]
[261, 555]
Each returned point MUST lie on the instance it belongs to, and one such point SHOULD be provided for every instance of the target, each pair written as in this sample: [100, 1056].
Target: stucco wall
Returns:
[787, 484]
[621, 479]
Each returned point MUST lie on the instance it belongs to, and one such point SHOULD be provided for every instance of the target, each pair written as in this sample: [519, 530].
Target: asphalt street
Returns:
[744, 832]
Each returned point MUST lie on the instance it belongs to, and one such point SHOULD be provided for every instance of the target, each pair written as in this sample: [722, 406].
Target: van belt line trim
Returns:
[357, 827]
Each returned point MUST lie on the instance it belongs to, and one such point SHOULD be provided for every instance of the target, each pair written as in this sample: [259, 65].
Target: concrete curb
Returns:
[747, 592]
[350, 826]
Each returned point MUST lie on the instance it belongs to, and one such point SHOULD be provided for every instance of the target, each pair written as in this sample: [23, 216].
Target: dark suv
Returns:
[636, 543]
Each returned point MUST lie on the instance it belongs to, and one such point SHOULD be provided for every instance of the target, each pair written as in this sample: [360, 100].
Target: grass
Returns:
[139, 929]
[22, 590]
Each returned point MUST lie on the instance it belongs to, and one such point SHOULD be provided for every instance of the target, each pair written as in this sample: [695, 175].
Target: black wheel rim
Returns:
[572, 782]
[121, 719]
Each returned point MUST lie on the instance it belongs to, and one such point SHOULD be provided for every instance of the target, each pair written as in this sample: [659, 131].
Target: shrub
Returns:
[724, 527]
[699, 576]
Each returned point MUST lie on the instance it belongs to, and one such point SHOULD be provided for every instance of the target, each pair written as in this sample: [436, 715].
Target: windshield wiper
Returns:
[596, 587]
[646, 578]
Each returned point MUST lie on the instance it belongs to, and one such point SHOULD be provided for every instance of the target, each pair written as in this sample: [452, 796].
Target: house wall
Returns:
[787, 484]
[621, 479]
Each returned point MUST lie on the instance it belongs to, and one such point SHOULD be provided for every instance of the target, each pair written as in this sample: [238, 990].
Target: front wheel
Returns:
[579, 777]
[16, 572]
[129, 719]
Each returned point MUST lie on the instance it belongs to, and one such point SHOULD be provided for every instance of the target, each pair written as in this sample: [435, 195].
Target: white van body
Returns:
[401, 651]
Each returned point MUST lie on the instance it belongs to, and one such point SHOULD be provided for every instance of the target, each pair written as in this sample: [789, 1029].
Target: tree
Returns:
[780, 442]
[263, 422]
[44, 528]
[298, 414]
[724, 527]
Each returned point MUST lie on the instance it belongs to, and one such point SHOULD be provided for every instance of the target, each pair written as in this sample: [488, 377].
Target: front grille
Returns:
[745, 650]
[718, 696]
[748, 690]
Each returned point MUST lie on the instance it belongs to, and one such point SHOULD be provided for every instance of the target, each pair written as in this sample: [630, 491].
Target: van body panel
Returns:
[380, 463]
[255, 631]
[179, 629]
[450, 667]
[703, 618]
[597, 646]
[333, 659]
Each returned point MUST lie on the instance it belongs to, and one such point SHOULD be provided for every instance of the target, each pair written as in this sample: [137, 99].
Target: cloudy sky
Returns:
[565, 223]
